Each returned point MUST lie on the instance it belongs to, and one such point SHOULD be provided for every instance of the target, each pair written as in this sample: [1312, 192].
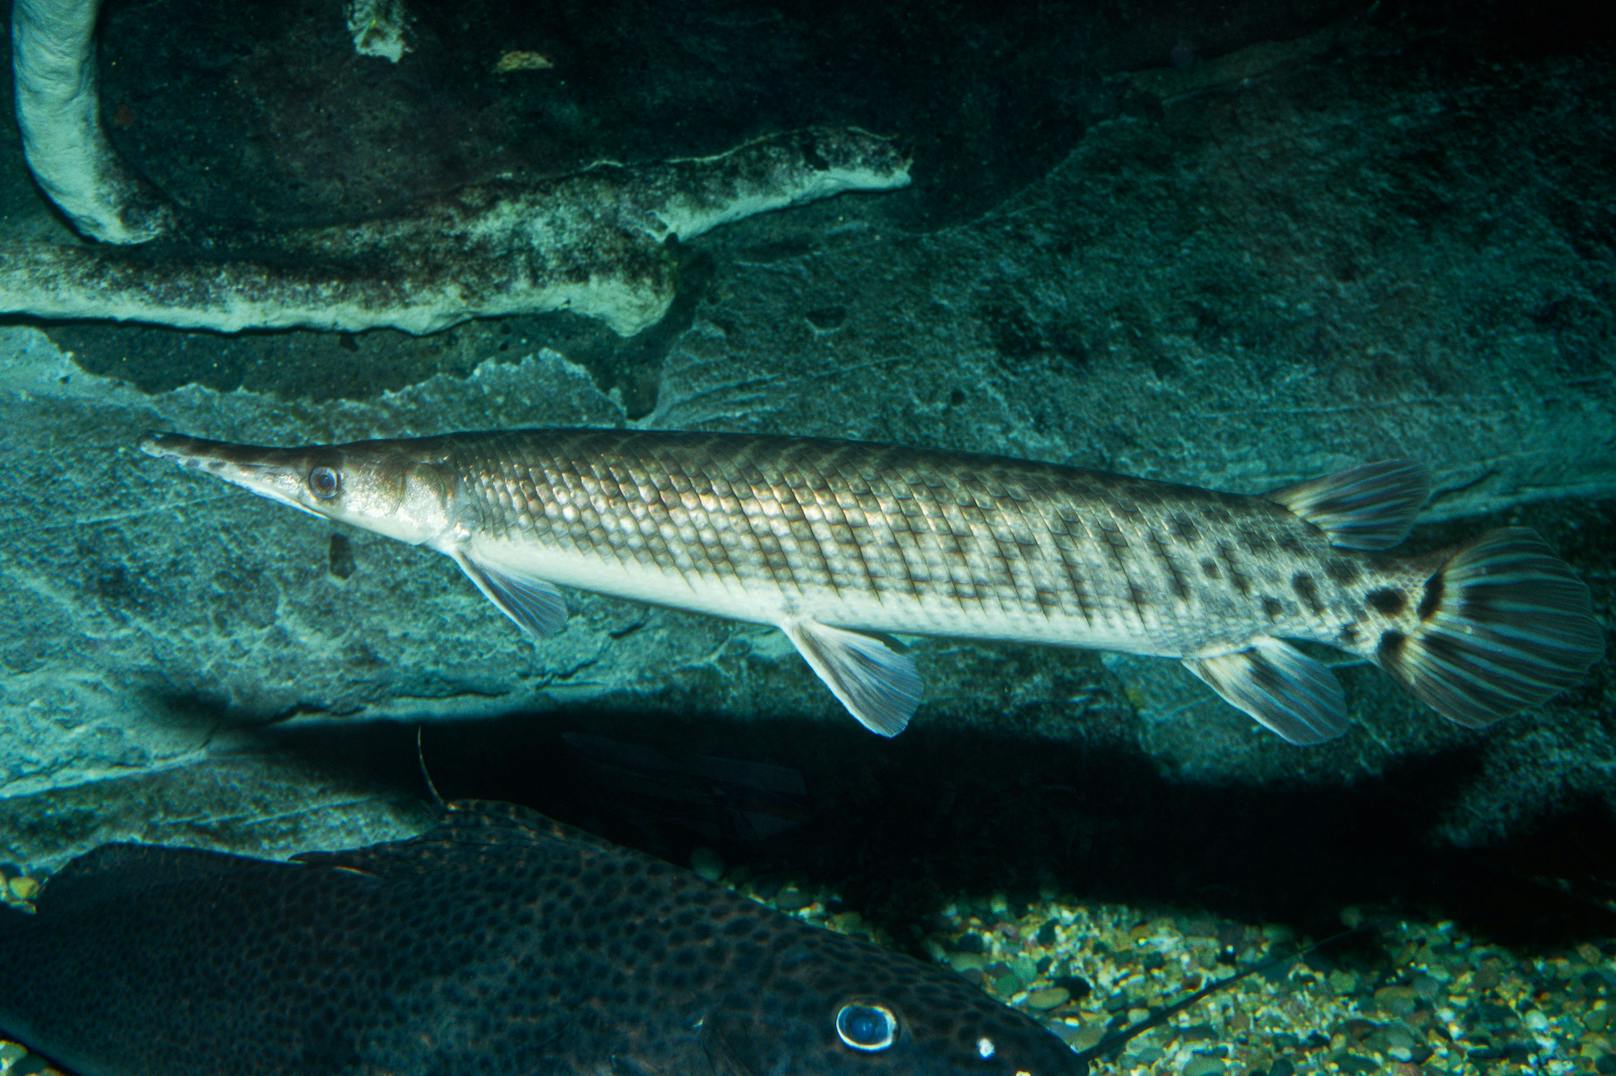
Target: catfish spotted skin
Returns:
[498, 942]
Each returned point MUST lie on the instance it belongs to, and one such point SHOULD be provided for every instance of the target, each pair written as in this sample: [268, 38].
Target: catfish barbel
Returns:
[833, 540]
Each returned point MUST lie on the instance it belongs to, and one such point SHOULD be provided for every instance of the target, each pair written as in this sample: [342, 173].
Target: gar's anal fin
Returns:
[1280, 687]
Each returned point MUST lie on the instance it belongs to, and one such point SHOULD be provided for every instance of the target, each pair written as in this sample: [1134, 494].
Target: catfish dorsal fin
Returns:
[464, 824]
[475, 820]
[110, 870]
[1369, 507]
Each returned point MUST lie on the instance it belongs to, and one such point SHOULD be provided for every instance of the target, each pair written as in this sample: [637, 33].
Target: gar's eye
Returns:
[866, 1027]
[324, 483]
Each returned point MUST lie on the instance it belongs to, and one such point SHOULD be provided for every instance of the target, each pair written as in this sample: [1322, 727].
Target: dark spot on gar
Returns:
[1175, 576]
[1433, 597]
[1273, 608]
[1255, 540]
[1342, 570]
[365, 961]
[1308, 591]
[1390, 650]
[1238, 578]
[1184, 528]
[1386, 600]
[1074, 580]
[1116, 543]
[1138, 599]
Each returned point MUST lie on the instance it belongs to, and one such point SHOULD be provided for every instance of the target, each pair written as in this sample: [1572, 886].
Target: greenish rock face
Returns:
[1194, 278]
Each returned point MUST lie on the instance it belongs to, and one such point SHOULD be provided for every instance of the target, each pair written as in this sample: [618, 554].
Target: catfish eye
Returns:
[324, 483]
[865, 1027]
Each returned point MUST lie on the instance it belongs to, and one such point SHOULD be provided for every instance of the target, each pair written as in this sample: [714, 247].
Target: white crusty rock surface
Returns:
[593, 243]
[59, 117]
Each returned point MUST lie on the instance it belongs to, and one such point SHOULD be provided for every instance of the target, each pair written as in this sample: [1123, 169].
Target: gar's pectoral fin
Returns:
[1280, 687]
[878, 685]
[535, 604]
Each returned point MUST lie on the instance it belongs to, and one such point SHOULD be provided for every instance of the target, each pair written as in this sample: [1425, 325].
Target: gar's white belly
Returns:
[760, 603]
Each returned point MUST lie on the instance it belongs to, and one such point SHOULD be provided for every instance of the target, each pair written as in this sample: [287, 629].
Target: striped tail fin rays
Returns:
[1502, 626]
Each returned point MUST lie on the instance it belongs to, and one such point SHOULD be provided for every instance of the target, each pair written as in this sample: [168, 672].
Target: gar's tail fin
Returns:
[1503, 626]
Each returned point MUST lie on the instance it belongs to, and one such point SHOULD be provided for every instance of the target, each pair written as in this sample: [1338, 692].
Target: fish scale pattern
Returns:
[891, 538]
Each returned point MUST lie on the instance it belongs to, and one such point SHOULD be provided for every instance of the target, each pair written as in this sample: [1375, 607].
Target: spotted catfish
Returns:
[498, 943]
[833, 540]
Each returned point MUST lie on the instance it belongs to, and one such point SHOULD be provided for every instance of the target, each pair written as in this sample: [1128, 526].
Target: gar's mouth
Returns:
[269, 472]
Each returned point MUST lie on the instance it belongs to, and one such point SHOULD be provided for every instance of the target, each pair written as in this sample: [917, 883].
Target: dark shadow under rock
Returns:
[899, 828]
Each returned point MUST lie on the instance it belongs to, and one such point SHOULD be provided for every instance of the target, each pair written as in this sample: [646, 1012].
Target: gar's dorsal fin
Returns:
[1370, 507]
